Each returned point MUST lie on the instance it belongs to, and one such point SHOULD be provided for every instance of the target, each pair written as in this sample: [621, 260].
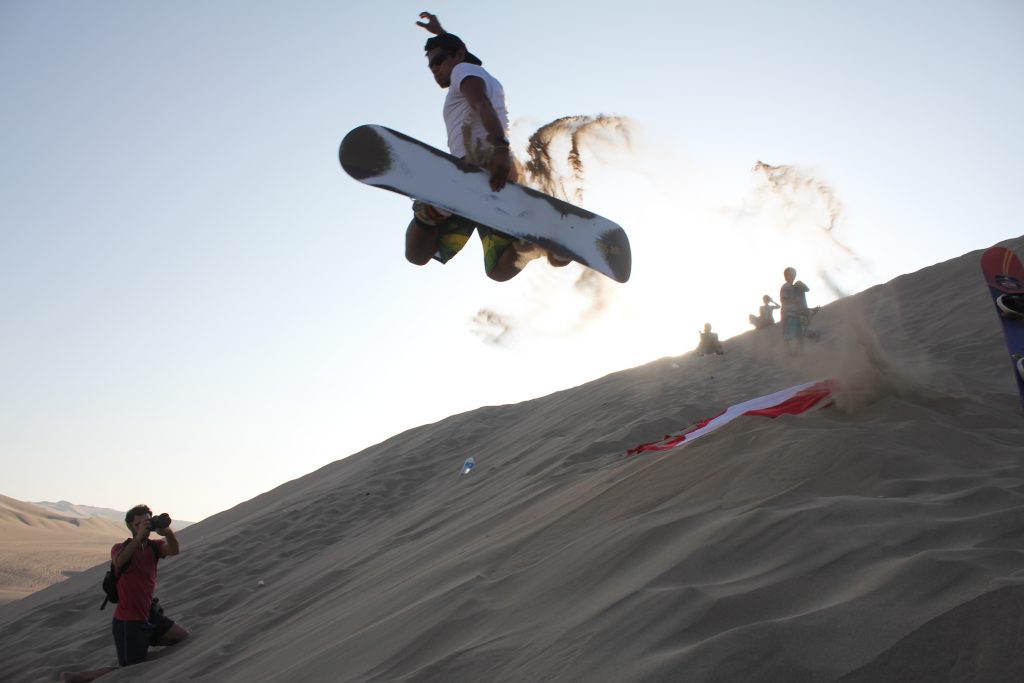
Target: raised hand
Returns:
[432, 23]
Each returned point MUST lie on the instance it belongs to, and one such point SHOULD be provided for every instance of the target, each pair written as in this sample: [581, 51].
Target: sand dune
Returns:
[39, 546]
[881, 539]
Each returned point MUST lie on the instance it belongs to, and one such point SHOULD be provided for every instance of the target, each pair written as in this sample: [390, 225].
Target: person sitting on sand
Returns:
[766, 314]
[709, 343]
[139, 622]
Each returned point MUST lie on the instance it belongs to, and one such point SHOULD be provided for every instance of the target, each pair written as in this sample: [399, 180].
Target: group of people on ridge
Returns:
[795, 314]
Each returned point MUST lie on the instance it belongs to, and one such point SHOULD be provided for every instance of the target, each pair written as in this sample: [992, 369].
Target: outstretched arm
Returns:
[432, 23]
[473, 89]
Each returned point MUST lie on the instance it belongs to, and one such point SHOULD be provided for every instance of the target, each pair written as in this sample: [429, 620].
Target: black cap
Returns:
[449, 42]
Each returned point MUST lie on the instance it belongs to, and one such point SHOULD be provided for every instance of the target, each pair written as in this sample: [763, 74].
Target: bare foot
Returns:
[84, 676]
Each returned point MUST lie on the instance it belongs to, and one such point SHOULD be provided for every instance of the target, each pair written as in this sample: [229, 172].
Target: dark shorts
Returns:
[133, 638]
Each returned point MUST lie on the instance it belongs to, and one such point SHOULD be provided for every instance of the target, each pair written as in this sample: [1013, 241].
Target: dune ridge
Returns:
[875, 540]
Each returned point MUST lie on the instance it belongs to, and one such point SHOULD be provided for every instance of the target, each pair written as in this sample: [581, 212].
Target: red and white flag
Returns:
[791, 401]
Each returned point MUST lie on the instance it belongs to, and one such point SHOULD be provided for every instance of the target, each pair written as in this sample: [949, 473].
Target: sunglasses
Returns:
[437, 59]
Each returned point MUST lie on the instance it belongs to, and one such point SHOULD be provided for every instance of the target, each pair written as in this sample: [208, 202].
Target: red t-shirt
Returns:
[136, 586]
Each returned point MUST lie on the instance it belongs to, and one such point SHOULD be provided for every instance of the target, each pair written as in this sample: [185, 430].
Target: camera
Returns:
[161, 521]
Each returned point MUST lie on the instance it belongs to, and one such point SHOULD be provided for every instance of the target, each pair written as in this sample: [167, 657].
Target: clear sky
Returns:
[197, 304]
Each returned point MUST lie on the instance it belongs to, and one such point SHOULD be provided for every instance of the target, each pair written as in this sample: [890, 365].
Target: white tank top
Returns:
[457, 110]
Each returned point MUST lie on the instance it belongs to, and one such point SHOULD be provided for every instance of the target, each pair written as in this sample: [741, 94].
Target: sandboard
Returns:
[384, 158]
[1004, 275]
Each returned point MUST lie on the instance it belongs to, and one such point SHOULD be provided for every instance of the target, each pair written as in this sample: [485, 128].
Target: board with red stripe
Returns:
[1004, 275]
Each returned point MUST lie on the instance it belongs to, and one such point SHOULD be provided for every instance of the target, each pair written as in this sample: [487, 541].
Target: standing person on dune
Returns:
[476, 118]
[796, 317]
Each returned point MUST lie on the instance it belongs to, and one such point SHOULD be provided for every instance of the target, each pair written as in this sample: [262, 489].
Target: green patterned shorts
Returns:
[455, 231]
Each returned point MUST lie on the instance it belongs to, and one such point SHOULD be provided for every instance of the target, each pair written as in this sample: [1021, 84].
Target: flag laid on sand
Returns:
[791, 401]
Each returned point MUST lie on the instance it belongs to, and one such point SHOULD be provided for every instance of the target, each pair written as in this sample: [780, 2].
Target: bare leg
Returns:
[506, 269]
[420, 242]
[85, 676]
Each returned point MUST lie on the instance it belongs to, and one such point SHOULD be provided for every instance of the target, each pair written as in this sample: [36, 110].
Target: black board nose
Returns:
[364, 153]
[614, 245]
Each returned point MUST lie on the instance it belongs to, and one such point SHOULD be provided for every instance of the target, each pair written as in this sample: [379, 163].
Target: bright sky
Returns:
[197, 304]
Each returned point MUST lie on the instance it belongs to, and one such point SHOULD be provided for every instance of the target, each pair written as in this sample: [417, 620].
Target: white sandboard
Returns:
[385, 158]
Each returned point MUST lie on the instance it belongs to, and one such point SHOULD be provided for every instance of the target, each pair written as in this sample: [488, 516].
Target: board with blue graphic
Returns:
[1004, 275]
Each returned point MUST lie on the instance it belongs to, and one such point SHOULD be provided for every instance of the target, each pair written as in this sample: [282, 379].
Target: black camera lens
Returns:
[161, 521]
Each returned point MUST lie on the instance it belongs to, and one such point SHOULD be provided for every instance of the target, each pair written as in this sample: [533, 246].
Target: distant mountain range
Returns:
[87, 511]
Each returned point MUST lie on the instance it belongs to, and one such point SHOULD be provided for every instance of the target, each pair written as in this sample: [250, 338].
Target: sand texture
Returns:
[880, 539]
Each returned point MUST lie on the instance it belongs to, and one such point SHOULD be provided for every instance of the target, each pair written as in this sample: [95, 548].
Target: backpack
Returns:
[110, 578]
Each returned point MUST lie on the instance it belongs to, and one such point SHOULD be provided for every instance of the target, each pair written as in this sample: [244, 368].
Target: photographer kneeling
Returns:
[139, 621]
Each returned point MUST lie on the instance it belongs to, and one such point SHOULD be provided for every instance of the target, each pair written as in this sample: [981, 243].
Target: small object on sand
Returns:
[260, 583]
[467, 466]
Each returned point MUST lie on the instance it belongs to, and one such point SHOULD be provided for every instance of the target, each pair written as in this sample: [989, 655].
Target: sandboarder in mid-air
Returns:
[474, 187]
[476, 118]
